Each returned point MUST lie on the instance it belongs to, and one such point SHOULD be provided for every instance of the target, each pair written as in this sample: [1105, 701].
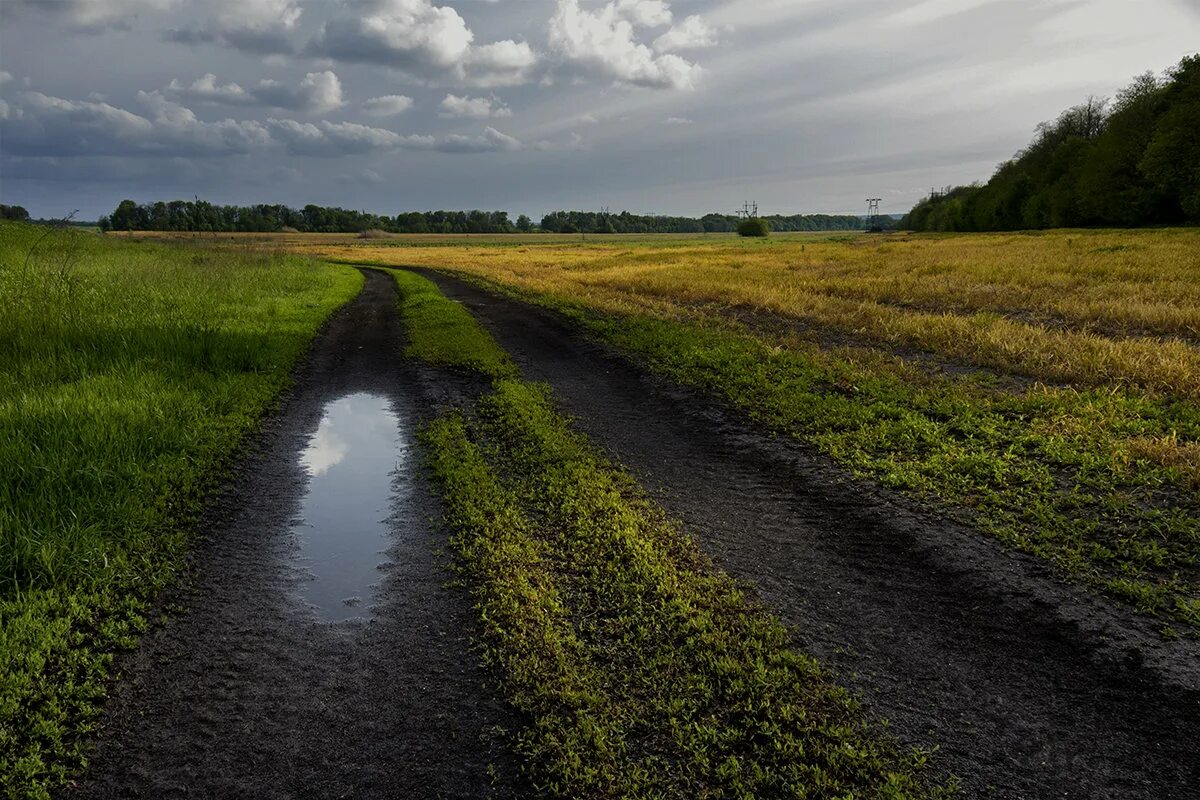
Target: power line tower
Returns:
[873, 214]
[748, 211]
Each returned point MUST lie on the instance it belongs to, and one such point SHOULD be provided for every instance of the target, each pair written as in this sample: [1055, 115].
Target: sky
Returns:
[683, 107]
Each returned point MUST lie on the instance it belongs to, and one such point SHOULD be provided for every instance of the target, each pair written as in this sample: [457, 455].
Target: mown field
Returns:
[129, 374]
[1044, 388]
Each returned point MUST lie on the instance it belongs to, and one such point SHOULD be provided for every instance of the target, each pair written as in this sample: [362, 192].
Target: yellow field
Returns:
[1085, 308]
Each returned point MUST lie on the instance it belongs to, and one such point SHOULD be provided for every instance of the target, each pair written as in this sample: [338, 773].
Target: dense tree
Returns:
[1135, 161]
[17, 213]
[754, 226]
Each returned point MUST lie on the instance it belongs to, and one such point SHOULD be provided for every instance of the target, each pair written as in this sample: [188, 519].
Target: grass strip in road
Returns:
[443, 333]
[644, 671]
[129, 374]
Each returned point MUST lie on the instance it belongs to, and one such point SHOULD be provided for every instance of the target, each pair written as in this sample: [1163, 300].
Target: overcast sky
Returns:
[683, 107]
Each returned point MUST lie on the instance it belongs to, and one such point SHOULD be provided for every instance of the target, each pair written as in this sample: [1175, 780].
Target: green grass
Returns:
[642, 671]
[444, 333]
[1068, 474]
[129, 374]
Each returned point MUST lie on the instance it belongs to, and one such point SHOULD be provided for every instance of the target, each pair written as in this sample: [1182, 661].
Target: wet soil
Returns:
[1029, 687]
[244, 692]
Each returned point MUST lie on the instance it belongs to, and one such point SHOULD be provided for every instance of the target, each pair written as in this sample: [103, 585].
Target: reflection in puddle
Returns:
[342, 533]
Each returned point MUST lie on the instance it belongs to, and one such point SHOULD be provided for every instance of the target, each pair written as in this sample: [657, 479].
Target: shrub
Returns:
[755, 226]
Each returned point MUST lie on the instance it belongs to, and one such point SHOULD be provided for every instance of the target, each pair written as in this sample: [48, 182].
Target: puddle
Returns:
[351, 462]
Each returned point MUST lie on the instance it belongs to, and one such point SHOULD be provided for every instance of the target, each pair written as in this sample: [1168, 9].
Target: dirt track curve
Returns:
[1031, 688]
[244, 694]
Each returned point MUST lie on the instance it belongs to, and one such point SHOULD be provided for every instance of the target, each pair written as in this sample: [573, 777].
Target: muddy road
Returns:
[279, 679]
[1031, 688]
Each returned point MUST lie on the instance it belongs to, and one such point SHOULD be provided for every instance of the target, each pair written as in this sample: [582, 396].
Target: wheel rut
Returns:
[1031, 688]
[245, 692]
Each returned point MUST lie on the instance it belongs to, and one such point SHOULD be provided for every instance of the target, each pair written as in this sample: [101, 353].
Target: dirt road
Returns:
[1032, 688]
[246, 693]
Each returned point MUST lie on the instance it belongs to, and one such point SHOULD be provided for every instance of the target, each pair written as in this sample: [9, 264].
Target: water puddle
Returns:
[351, 462]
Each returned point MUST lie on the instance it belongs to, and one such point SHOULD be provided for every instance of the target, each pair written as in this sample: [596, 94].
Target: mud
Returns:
[1029, 687]
[245, 692]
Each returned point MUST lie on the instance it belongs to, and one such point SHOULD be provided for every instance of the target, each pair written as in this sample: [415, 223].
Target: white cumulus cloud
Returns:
[388, 105]
[691, 34]
[263, 27]
[318, 93]
[406, 34]
[503, 63]
[645, 13]
[490, 141]
[453, 106]
[423, 39]
[603, 43]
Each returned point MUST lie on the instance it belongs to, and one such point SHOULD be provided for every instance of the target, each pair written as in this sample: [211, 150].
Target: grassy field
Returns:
[641, 671]
[129, 373]
[1044, 388]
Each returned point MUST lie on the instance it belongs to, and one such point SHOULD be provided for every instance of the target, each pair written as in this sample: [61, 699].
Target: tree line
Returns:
[624, 222]
[204, 217]
[1132, 162]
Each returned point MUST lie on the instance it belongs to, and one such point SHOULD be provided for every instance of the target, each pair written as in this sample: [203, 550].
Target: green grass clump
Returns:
[755, 226]
[645, 672]
[443, 332]
[129, 374]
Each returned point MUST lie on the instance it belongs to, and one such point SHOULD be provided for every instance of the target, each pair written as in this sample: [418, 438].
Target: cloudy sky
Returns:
[681, 107]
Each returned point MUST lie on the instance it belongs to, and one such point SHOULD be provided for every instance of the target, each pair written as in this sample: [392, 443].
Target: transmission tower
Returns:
[873, 214]
[748, 211]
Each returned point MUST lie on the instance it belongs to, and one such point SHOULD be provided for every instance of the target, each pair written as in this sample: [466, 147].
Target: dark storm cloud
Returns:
[685, 106]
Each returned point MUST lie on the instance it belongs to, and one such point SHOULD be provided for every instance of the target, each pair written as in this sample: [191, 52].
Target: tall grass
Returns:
[129, 372]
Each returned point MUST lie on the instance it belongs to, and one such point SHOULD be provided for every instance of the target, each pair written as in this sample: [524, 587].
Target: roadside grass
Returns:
[1044, 388]
[643, 672]
[129, 374]
[444, 333]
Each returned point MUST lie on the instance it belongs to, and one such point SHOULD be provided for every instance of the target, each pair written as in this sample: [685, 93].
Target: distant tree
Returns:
[524, 224]
[104, 224]
[126, 217]
[755, 226]
[15, 213]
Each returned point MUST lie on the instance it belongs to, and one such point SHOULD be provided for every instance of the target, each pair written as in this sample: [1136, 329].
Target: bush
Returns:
[755, 226]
